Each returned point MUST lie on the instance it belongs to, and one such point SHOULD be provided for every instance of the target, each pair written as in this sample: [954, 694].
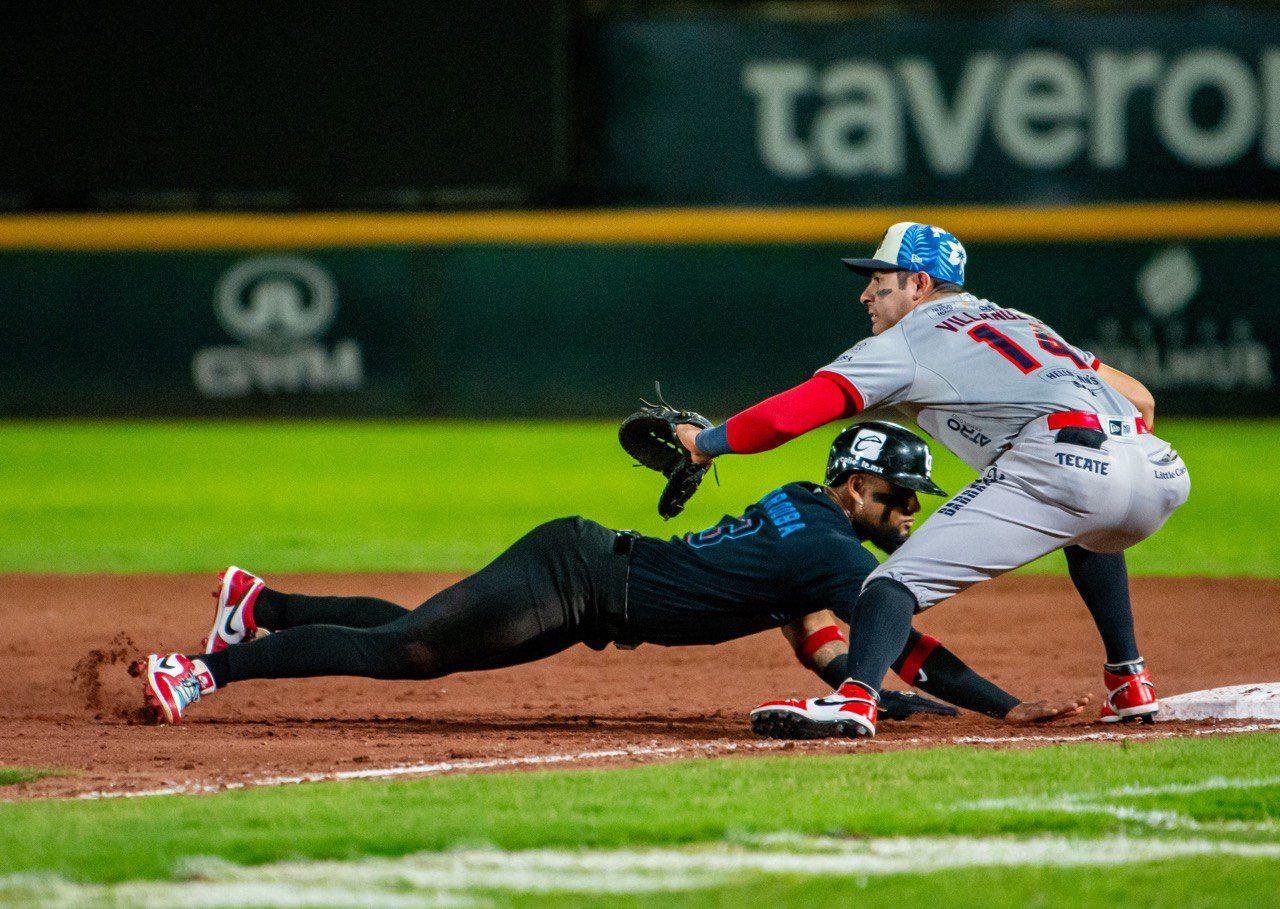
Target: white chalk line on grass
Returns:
[464, 877]
[441, 768]
[1212, 784]
[1160, 819]
[471, 765]
[1105, 736]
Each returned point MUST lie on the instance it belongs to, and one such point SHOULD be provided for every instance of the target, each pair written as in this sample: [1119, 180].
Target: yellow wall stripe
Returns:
[643, 226]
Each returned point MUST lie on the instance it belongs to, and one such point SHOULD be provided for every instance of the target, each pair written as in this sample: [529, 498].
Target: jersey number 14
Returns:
[1002, 344]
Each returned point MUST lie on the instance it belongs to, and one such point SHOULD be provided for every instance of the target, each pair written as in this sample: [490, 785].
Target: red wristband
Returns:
[816, 641]
[915, 659]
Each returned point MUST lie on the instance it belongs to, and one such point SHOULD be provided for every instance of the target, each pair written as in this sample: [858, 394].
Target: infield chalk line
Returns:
[443, 768]
[461, 877]
[471, 765]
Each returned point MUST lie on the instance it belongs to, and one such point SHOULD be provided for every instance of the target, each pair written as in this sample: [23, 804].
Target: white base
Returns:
[1260, 701]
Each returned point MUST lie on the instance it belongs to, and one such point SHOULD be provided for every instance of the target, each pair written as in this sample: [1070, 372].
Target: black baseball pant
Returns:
[556, 586]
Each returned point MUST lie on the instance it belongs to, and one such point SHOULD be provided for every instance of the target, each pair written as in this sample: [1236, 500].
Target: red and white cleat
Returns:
[172, 683]
[233, 623]
[1130, 694]
[848, 711]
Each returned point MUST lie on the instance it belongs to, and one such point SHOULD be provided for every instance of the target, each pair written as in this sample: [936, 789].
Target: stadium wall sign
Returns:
[1042, 109]
[1032, 104]
[528, 315]
[277, 307]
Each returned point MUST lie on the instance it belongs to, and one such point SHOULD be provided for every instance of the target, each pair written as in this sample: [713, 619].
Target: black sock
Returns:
[217, 664]
[274, 610]
[835, 672]
[1103, 582]
[881, 623]
[1132, 667]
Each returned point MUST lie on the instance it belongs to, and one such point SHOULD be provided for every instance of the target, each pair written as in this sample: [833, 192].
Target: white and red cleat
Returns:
[233, 622]
[1130, 694]
[172, 683]
[848, 711]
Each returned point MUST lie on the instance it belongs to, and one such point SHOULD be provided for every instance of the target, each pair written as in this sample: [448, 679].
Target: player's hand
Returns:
[687, 433]
[1046, 711]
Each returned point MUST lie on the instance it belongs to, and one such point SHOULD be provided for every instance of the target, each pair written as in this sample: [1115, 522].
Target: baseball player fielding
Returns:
[1062, 442]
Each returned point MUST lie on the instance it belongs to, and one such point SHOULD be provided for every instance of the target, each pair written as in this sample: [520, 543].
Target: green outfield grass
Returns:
[374, 496]
[1215, 800]
[1191, 822]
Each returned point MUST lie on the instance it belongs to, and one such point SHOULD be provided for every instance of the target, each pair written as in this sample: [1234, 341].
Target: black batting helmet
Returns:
[886, 450]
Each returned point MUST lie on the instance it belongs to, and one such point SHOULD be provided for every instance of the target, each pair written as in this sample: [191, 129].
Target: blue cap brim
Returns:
[865, 267]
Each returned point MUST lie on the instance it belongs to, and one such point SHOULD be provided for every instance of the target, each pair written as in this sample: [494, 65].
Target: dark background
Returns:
[392, 105]
[283, 105]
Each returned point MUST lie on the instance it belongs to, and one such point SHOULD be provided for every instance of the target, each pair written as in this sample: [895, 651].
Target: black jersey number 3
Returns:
[727, 529]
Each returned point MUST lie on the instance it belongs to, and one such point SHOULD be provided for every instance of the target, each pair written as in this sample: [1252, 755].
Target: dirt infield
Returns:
[68, 702]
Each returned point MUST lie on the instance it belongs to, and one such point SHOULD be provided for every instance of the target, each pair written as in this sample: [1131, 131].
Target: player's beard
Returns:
[885, 536]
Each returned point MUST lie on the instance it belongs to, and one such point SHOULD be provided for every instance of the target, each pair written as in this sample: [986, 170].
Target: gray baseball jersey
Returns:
[987, 382]
[973, 374]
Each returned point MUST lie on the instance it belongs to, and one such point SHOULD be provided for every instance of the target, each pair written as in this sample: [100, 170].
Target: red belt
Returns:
[1083, 420]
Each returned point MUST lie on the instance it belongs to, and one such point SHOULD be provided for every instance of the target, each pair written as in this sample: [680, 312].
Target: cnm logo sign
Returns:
[277, 307]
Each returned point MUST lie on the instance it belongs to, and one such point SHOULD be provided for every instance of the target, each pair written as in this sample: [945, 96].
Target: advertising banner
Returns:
[207, 333]
[582, 330]
[1022, 104]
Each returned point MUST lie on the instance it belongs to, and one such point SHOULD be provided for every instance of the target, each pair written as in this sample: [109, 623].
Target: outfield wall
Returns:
[537, 314]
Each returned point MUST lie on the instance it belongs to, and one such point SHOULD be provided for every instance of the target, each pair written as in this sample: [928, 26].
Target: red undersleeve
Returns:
[790, 414]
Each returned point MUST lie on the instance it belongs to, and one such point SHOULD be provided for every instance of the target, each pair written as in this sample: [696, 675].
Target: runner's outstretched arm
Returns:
[821, 646]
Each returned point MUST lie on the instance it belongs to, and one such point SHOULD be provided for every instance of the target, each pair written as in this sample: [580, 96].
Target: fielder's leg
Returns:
[992, 526]
[878, 633]
[1159, 485]
[1102, 580]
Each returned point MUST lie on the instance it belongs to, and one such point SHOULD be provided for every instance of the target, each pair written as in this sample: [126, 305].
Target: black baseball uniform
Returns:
[572, 581]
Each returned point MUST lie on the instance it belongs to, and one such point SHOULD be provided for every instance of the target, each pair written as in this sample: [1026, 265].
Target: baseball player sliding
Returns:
[794, 560]
[1063, 444]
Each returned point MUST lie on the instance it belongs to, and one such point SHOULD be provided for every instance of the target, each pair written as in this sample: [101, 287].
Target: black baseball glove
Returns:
[649, 436]
[901, 705]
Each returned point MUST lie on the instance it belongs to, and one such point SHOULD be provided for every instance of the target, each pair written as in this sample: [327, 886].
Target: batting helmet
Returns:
[886, 450]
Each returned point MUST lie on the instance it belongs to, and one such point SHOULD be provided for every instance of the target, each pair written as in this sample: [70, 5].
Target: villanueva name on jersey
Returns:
[959, 321]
